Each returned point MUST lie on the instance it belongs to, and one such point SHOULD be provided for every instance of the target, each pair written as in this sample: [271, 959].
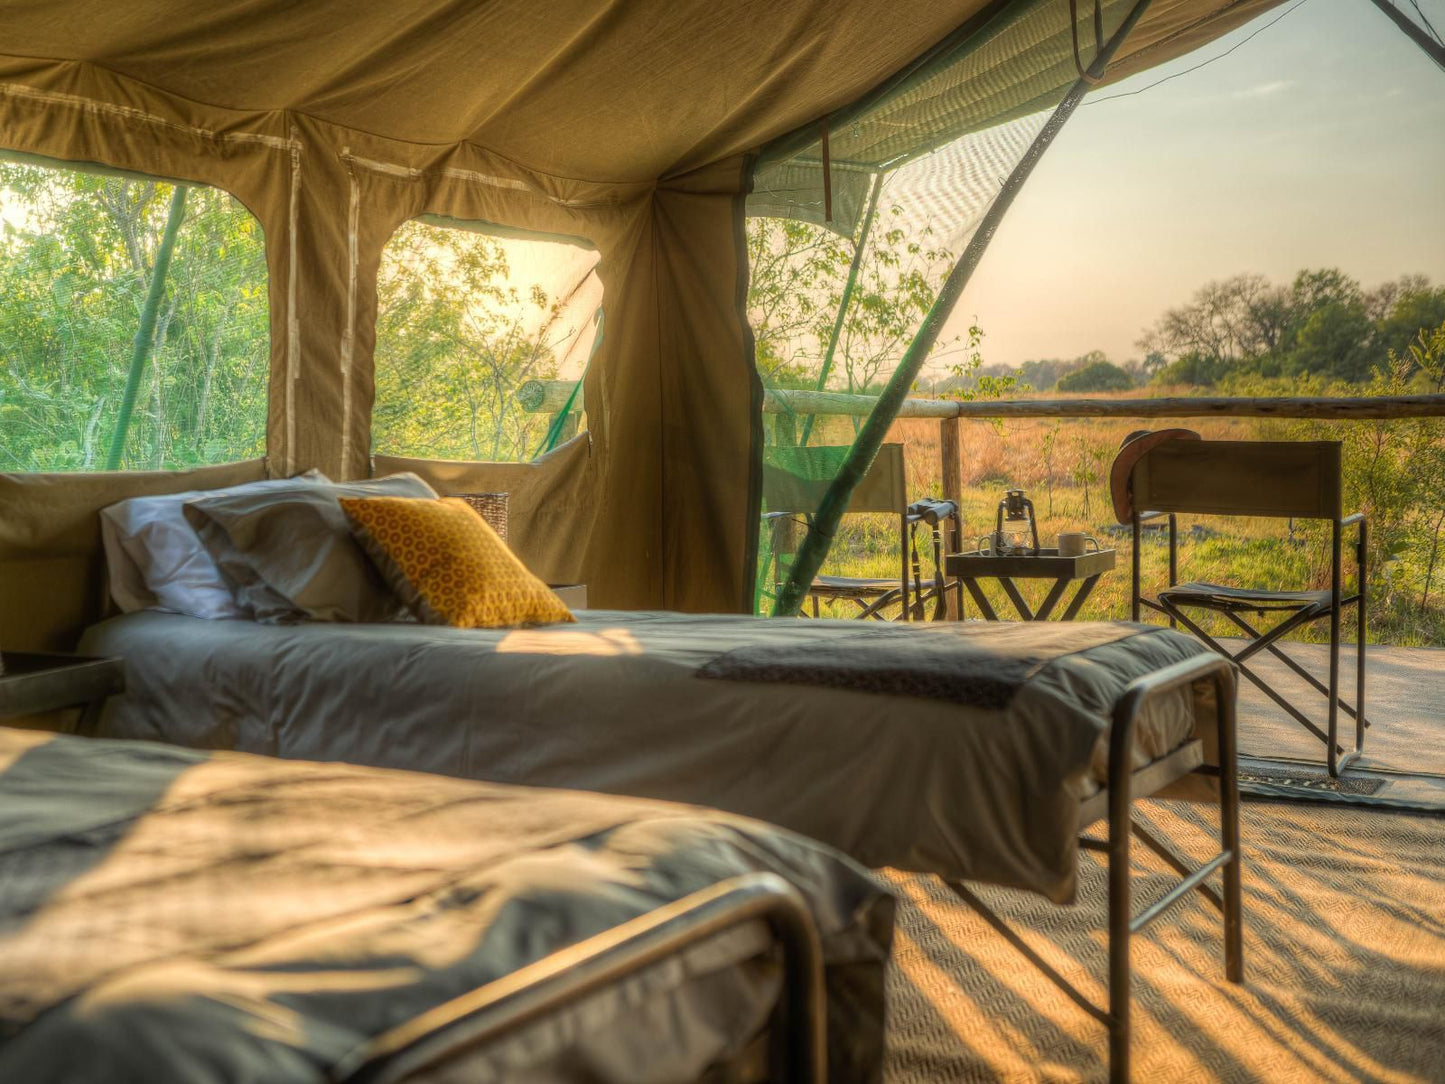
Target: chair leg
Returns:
[1337, 757]
[1134, 573]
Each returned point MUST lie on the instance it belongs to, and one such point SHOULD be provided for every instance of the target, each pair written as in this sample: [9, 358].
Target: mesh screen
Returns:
[78, 253]
[1017, 64]
[834, 305]
[468, 315]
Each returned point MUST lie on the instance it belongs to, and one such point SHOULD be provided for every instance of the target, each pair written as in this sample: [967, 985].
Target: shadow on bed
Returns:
[80, 816]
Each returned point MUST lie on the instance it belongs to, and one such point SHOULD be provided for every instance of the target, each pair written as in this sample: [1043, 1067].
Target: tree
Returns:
[1335, 341]
[1227, 320]
[1410, 308]
[796, 285]
[797, 272]
[76, 254]
[1099, 375]
[1323, 324]
[454, 341]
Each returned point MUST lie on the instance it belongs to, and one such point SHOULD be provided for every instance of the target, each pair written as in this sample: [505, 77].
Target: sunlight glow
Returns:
[569, 642]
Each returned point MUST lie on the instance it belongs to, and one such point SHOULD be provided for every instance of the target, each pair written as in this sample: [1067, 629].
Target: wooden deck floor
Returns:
[1404, 700]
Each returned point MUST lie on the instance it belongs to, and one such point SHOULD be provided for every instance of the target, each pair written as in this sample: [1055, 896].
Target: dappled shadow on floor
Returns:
[1344, 959]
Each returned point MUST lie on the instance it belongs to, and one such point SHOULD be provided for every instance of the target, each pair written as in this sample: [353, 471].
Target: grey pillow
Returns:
[290, 556]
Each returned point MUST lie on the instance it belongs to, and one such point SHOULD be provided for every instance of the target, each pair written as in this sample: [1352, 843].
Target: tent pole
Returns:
[858, 248]
[814, 549]
[1433, 49]
[146, 333]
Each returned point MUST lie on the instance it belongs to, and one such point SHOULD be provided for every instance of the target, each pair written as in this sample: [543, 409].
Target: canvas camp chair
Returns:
[794, 481]
[1172, 472]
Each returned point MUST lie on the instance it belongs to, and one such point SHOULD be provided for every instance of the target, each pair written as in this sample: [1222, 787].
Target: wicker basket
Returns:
[492, 507]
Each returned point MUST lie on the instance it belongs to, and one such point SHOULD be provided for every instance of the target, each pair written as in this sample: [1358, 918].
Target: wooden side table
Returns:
[1048, 565]
[35, 684]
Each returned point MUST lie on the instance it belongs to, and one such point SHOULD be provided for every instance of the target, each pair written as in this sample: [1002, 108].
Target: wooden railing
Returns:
[552, 396]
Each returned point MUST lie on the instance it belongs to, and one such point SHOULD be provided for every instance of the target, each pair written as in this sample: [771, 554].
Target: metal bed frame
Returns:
[1113, 803]
[447, 1035]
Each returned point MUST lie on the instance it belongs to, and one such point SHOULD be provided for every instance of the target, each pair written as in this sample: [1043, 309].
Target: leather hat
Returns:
[1135, 445]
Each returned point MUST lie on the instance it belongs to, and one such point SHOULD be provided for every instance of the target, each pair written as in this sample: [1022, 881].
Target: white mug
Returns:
[1076, 543]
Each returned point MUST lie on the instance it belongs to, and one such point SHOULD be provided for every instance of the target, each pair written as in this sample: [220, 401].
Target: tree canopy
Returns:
[77, 252]
[1322, 324]
[1101, 375]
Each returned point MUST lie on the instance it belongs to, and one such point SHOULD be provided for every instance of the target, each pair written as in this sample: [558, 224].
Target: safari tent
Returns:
[640, 129]
[635, 139]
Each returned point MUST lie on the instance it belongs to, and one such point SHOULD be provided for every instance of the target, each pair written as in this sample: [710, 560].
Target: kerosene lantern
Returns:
[1016, 531]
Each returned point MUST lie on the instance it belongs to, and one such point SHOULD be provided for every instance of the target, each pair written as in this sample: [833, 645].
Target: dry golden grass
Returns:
[1069, 488]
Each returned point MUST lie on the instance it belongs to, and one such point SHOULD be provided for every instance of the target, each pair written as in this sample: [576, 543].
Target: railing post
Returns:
[951, 452]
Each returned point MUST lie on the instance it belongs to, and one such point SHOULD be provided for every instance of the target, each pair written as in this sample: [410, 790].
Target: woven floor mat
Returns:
[1311, 778]
[1344, 963]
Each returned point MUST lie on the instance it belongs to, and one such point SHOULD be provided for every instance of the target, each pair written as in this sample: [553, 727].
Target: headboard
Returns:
[52, 568]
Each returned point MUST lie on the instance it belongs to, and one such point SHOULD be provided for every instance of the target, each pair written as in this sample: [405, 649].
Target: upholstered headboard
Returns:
[52, 578]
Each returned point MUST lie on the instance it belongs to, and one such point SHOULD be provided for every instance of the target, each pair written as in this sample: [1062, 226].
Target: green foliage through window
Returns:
[464, 319]
[78, 254]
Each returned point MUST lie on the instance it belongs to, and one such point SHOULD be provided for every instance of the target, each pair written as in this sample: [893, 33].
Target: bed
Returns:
[992, 783]
[169, 914]
[615, 703]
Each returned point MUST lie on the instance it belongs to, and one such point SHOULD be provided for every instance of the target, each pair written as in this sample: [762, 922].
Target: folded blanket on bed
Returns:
[978, 665]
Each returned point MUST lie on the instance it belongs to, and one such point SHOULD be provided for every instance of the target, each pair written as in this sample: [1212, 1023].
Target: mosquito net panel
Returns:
[848, 246]
[133, 322]
[467, 315]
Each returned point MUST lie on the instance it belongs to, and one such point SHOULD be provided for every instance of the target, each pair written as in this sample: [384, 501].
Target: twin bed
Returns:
[969, 751]
[975, 753]
[167, 914]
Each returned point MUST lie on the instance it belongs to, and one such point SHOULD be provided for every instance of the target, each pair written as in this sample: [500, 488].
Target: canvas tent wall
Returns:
[632, 125]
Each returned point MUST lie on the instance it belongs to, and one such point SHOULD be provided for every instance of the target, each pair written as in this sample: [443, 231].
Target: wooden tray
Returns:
[1047, 565]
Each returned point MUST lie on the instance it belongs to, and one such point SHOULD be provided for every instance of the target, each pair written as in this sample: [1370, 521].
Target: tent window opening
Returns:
[482, 338]
[860, 245]
[134, 322]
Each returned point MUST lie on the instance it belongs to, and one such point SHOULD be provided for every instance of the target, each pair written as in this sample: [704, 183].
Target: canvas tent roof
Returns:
[629, 123]
[620, 91]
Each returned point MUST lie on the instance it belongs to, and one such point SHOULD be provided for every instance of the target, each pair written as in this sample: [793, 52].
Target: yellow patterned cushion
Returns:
[448, 565]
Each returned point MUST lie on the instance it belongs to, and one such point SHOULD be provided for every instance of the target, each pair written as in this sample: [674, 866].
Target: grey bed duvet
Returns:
[615, 703]
[171, 915]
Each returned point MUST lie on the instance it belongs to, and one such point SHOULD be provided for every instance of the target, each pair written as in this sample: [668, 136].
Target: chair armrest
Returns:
[1353, 517]
[1145, 517]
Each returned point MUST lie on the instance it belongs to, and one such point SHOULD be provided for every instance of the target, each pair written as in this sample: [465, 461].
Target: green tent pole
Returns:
[858, 248]
[145, 334]
[553, 435]
[814, 549]
[1432, 48]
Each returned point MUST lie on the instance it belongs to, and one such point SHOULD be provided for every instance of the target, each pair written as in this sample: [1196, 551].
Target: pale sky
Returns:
[1319, 143]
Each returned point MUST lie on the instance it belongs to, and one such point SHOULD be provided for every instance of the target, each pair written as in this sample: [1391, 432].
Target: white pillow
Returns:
[157, 562]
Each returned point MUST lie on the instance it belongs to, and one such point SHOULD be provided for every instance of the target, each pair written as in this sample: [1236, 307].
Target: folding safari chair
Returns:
[1274, 479]
[794, 481]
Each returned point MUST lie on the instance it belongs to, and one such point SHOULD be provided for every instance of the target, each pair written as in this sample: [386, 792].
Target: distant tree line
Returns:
[1322, 325]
